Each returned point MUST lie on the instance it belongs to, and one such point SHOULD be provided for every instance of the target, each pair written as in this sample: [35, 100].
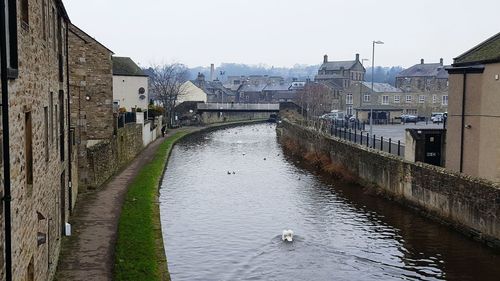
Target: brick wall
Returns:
[470, 205]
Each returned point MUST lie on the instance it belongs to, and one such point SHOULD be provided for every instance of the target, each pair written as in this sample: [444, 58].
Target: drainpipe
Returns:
[462, 131]
[6, 144]
[70, 150]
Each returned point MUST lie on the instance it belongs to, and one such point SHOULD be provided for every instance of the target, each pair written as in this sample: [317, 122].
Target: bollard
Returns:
[373, 145]
[390, 145]
[382, 143]
[399, 148]
[367, 139]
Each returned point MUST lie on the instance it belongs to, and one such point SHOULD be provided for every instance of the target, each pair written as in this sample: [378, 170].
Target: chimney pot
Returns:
[357, 57]
[421, 61]
[441, 61]
[325, 59]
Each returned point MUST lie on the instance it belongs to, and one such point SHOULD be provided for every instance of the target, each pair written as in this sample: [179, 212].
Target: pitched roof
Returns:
[331, 84]
[425, 70]
[252, 88]
[75, 29]
[125, 66]
[277, 87]
[336, 65]
[486, 52]
[382, 87]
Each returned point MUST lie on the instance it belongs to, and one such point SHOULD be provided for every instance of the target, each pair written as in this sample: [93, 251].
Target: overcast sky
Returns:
[286, 32]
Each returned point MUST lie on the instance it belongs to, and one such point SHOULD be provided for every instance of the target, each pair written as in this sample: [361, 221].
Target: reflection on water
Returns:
[220, 225]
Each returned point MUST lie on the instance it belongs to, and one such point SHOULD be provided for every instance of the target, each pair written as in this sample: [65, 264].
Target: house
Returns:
[37, 183]
[130, 85]
[472, 139]
[91, 89]
[190, 92]
[215, 90]
[385, 101]
[426, 88]
[342, 73]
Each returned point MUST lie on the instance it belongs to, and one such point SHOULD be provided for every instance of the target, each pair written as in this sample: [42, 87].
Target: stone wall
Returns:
[107, 157]
[40, 206]
[215, 117]
[91, 89]
[468, 204]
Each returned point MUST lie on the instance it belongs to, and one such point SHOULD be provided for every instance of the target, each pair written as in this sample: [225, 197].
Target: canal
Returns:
[223, 226]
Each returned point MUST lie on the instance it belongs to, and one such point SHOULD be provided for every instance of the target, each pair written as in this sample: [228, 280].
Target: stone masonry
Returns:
[91, 88]
[38, 100]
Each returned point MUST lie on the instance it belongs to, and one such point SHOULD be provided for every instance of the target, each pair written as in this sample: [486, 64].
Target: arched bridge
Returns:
[238, 107]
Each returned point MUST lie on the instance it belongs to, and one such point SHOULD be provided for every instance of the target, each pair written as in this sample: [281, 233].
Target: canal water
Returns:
[220, 226]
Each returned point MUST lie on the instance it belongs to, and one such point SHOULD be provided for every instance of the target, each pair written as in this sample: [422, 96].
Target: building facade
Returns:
[130, 85]
[342, 73]
[39, 154]
[91, 89]
[386, 101]
[472, 145]
[425, 87]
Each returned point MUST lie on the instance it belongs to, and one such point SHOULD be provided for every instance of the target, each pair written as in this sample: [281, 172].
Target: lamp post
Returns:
[371, 93]
[360, 90]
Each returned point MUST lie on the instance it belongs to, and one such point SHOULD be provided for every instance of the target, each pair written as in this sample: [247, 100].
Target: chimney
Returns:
[212, 72]
[421, 61]
[441, 61]
[357, 57]
[325, 59]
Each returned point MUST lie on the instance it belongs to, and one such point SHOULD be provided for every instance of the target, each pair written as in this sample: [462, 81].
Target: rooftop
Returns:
[125, 66]
[337, 65]
[425, 70]
[486, 52]
[382, 87]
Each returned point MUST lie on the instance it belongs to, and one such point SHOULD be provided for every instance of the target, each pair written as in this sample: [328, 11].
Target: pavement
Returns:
[88, 255]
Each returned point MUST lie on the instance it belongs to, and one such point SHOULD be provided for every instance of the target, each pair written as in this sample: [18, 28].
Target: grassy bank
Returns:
[139, 250]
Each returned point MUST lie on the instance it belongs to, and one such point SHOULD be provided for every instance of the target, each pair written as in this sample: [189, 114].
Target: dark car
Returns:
[407, 118]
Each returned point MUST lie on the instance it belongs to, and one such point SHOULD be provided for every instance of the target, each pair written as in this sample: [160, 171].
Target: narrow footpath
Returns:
[88, 255]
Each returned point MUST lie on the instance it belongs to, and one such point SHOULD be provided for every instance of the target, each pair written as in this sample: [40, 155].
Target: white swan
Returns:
[287, 235]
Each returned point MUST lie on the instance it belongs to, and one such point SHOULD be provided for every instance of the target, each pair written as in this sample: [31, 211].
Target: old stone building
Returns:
[472, 145]
[341, 73]
[386, 101]
[426, 88]
[91, 89]
[39, 152]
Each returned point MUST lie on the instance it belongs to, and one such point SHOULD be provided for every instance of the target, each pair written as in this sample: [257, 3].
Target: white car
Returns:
[437, 118]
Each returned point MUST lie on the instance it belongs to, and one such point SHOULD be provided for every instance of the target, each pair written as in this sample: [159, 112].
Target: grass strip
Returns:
[139, 249]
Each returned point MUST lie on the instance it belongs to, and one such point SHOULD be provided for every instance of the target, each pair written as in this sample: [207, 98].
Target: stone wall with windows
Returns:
[38, 120]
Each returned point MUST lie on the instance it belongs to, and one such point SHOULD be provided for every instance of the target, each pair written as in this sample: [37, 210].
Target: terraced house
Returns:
[36, 169]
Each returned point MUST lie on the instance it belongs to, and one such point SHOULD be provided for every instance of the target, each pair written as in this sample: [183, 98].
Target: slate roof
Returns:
[332, 85]
[252, 88]
[486, 52]
[382, 87]
[278, 87]
[424, 70]
[125, 66]
[336, 65]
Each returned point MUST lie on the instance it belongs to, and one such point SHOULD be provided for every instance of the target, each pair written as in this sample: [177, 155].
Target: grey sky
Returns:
[286, 32]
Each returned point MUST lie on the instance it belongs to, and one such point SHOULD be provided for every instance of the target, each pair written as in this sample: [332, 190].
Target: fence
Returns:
[125, 118]
[354, 132]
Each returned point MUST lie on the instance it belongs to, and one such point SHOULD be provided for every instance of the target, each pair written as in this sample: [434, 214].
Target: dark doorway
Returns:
[63, 203]
[433, 149]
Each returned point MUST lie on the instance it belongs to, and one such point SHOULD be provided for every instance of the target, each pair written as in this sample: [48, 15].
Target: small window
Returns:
[44, 20]
[397, 99]
[46, 132]
[434, 98]
[348, 99]
[409, 98]
[25, 16]
[11, 38]
[28, 147]
[366, 98]
[421, 99]
[445, 100]
[385, 100]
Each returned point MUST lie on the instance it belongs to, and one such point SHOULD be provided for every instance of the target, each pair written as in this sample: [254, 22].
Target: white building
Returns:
[190, 92]
[130, 85]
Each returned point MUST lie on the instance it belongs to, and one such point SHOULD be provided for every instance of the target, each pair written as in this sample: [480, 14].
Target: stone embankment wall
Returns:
[215, 117]
[107, 157]
[468, 204]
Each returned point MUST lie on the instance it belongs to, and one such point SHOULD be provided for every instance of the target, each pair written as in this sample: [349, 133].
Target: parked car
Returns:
[407, 118]
[333, 116]
[437, 117]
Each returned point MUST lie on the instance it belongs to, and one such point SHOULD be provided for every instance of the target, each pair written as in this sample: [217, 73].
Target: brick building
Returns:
[35, 95]
[91, 89]
[425, 87]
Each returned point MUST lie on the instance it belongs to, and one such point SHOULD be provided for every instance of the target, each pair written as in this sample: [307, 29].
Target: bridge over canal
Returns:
[227, 112]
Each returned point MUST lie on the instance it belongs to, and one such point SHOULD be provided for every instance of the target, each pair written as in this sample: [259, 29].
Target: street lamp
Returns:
[371, 94]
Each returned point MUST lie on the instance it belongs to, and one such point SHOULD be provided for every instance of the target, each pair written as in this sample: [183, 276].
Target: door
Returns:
[433, 149]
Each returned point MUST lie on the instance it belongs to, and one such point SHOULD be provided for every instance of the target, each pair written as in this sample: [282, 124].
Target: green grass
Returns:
[139, 250]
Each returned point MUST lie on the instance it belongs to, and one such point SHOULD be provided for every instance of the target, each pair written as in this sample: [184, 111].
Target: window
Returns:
[348, 99]
[28, 147]
[25, 16]
[44, 20]
[46, 132]
[397, 98]
[349, 110]
[421, 99]
[385, 99]
[51, 113]
[54, 19]
[366, 98]
[409, 98]
[434, 98]
[412, 111]
[61, 124]
[11, 37]
[445, 100]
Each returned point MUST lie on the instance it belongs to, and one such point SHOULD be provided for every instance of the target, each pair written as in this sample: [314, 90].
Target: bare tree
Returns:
[167, 84]
[317, 99]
